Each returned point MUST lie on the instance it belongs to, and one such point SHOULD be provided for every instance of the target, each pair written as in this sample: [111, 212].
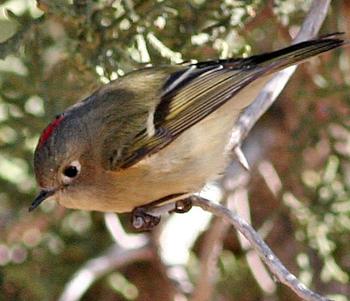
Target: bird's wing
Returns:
[191, 94]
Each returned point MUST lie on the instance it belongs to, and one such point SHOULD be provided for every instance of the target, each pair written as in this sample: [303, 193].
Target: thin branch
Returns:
[270, 259]
[128, 248]
[114, 258]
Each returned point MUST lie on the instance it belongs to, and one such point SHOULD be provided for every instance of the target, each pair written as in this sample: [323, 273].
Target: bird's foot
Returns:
[182, 206]
[144, 218]
[143, 221]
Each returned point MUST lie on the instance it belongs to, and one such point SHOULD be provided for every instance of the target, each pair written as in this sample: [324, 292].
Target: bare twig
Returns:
[270, 259]
[127, 249]
[114, 258]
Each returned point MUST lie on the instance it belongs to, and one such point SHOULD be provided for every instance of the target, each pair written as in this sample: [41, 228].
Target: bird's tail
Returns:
[292, 55]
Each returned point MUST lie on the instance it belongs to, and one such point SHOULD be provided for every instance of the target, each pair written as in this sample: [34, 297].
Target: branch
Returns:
[127, 249]
[112, 259]
[270, 259]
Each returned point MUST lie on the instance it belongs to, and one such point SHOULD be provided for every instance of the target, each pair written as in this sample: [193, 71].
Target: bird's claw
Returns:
[143, 221]
[182, 206]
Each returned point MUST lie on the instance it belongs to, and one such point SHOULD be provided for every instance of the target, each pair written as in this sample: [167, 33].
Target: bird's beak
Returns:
[42, 196]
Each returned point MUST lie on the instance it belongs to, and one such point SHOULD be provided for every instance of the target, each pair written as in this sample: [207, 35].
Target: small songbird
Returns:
[158, 133]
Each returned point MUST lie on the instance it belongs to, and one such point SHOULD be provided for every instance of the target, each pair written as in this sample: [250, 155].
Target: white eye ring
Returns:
[70, 172]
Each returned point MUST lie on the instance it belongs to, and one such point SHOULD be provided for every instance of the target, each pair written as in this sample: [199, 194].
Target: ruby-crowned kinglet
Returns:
[155, 133]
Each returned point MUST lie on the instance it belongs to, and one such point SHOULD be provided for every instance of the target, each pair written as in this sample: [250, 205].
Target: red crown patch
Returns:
[47, 132]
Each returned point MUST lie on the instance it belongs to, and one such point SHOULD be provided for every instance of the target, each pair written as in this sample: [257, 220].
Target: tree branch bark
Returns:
[114, 258]
[128, 248]
[270, 259]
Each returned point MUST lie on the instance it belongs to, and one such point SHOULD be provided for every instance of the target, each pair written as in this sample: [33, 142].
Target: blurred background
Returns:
[54, 53]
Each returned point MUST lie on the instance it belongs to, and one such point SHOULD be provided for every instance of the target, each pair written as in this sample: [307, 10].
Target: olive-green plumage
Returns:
[155, 132]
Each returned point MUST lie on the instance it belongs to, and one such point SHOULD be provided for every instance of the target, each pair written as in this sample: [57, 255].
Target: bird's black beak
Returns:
[42, 196]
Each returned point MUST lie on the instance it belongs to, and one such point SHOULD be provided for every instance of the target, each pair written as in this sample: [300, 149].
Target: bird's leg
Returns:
[148, 216]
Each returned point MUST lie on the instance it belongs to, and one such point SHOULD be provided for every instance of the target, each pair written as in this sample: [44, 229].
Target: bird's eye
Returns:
[71, 171]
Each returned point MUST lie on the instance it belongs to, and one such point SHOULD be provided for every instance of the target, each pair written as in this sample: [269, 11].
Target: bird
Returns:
[156, 134]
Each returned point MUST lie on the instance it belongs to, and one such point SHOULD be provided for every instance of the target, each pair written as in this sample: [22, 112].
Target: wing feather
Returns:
[187, 106]
[194, 92]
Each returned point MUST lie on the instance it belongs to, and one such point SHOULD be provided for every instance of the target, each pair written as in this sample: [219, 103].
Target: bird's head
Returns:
[61, 159]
